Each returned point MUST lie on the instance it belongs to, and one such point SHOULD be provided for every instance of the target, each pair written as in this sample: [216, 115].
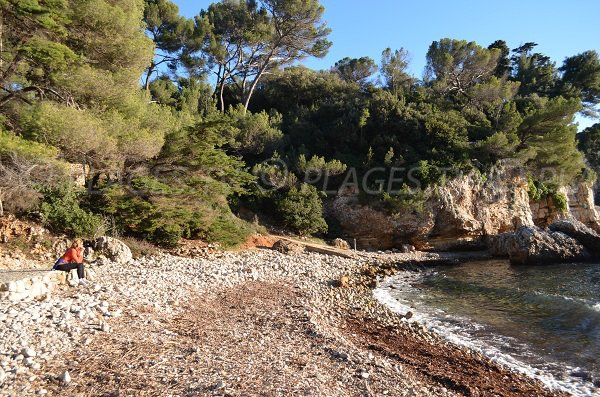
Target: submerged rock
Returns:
[531, 245]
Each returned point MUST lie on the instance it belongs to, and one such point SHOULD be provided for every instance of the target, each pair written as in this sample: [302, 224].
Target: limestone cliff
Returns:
[460, 214]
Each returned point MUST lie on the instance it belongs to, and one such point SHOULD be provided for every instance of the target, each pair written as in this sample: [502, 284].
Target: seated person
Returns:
[72, 259]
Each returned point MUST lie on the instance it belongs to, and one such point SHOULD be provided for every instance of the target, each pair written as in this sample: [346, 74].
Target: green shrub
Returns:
[406, 199]
[228, 231]
[302, 210]
[163, 214]
[537, 190]
[60, 211]
[560, 200]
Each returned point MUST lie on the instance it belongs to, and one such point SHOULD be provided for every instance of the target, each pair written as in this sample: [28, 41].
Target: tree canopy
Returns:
[180, 123]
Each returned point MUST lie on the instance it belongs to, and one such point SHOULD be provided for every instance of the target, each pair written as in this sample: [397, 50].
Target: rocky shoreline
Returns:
[256, 322]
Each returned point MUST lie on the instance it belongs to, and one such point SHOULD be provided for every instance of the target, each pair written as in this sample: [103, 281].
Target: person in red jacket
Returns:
[72, 259]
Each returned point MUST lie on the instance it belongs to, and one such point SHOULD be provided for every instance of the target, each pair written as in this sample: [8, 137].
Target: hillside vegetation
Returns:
[182, 123]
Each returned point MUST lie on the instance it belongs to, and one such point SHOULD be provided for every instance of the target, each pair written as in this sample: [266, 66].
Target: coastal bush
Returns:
[302, 209]
[538, 190]
[61, 212]
[560, 200]
[164, 214]
[406, 199]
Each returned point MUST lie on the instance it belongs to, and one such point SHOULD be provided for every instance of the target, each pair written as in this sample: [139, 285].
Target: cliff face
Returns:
[461, 214]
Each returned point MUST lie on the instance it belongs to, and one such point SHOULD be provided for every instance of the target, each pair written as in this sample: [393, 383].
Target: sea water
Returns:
[540, 320]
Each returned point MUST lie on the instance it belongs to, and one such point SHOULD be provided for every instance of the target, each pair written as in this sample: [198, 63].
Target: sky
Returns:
[361, 28]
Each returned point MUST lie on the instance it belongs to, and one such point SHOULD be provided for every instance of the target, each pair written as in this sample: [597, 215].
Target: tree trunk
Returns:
[221, 90]
[251, 91]
[148, 74]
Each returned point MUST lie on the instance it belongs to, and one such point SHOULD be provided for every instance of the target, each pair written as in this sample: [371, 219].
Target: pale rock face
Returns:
[457, 215]
[341, 244]
[463, 213]
[580, 200]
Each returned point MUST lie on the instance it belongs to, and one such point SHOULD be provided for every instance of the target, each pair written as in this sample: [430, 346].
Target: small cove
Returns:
[544, 321]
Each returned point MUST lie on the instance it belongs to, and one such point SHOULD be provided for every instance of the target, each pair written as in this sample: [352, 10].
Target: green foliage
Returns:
[457, 65]
[406, 199]
[170, 165]
[14, 145]
[549, 136]
[536, 72]
[581, 77]
[60, 211]
[355, 70]
[164, 214]
[274, 176]
[318, 165]
[560, 200]
[589, 144]
[23, 166]
[539, 190]
[266, 34]
[302, 210]
[393, 68]
[254, 133]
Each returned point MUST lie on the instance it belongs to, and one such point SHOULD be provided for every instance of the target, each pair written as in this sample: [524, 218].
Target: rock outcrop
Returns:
[341, 244]
[581, 206]
[461, 214]
[531, 245]
[457, 215]
[580, 232]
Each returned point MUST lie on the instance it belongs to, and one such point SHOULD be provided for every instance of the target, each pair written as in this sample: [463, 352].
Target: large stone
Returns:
[531, 245]
[580, 232]
[114, 249]
[341, 244]
[288, 247]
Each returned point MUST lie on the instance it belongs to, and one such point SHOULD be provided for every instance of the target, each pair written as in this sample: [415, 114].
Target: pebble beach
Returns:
[255, 322]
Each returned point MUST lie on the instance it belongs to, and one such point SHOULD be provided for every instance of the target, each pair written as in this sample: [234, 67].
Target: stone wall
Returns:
[545, 211]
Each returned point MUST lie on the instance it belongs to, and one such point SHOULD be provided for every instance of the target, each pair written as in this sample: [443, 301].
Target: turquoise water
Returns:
[543, 320]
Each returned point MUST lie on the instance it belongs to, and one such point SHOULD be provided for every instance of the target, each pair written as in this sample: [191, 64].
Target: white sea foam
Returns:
[456, 330]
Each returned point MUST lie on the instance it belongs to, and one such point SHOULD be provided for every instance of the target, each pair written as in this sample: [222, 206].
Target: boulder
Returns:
[288, 247]
[114, 249]
[407, 248]
[580, 232]
[531, 245]
[341, 244]
[344, 282]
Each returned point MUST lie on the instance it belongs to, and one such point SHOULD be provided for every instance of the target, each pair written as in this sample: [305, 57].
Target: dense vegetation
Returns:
[175, 118]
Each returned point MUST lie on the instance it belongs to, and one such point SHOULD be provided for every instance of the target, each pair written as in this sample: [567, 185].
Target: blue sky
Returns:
[361, 28]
